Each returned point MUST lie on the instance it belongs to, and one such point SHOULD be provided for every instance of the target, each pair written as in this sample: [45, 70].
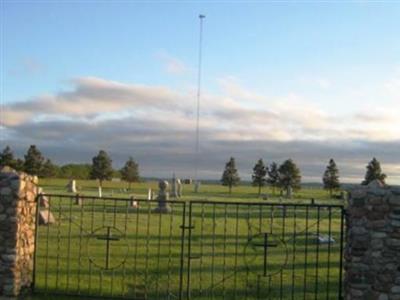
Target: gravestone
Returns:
[174, 188]
[133, 203]
[325, 239]
[197, 186]
[46, 217]
[162, 198]
[43, 200]
[149, 194]
[179, 187]
[100, 192]
[71, 186]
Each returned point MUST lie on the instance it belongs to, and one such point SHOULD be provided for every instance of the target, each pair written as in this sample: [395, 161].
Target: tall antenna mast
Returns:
[197, 182]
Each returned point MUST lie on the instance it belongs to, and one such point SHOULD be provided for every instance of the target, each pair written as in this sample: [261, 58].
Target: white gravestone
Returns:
[179, 187]
[71, 186]
[100, 192]
[134, 203]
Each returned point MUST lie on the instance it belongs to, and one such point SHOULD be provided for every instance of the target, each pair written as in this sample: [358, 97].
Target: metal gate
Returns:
[264, 251]
[108, 247]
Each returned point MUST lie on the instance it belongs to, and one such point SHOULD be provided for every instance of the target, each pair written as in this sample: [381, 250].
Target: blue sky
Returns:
[337, 62]
[267, 44]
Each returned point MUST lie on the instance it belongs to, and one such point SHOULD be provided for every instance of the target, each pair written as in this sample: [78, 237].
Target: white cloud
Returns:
[393, 86]
[172, 65]
[315, 81]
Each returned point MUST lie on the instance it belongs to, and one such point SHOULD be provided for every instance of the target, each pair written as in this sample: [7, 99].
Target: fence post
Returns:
[17, 230]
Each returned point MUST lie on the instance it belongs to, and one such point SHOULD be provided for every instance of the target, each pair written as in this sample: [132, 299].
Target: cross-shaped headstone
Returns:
[266, 245]
[108, 238]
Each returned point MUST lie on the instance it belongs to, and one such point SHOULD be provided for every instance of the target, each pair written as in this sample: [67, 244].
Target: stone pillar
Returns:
[17, 230]
[372, 253]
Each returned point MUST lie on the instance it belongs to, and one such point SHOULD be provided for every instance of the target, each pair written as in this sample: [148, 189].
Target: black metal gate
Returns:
[264, 251]
[108, 247]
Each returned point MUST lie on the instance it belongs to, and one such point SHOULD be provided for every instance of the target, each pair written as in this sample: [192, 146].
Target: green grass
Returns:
[227, 261]
[207, 191]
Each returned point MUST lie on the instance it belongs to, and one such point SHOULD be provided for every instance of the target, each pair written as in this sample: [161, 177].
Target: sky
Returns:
[307, 80]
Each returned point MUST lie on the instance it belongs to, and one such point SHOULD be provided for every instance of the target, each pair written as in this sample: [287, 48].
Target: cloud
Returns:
[172, 65]
[320, 82]
[155, 124]
[393, 85]
[232, 87]
[90, 98]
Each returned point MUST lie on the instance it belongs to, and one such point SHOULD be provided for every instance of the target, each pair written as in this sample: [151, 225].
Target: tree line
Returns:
[287, 176]
[34, 163]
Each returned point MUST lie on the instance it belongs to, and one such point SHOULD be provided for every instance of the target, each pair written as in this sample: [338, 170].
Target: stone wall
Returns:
[372, 253]
[17, 230]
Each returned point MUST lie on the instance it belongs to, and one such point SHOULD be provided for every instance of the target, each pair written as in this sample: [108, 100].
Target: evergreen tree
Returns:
[273, 176]
[49, 170]
[289, 176]
[230, 177]
[331, 177]
[374, 171]
[259, 173]
[130, 172]
[33, 161]
[7, 158]
[19, 164]
[101, 167]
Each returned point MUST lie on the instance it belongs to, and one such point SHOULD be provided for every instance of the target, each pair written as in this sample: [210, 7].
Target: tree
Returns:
[33, 161]
[19, 164]
[289, 176]
[7, 158]
[230, 176]
[330, 178]
[374, 172]
[259, 173]
[273, 176]
[101, 167]
[130, 172]
[49, 169]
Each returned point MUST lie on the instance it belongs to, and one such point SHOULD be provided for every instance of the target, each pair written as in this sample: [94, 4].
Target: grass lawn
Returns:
[221, 256]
